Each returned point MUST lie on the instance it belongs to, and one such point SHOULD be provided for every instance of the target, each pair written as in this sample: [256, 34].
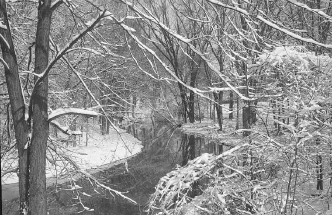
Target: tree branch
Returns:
[65, 111]
[63, 129]
[60, 55]
[56, 4]
[4, 63]
[291, 34]
[316, 11]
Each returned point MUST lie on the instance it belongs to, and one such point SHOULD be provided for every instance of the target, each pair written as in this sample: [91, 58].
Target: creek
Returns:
[165, 146]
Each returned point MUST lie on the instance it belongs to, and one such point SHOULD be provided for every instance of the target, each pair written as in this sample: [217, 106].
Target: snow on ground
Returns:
[101, 149]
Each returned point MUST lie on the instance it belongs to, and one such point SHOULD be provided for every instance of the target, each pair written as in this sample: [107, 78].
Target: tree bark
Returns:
[218, 109]
[237, 113]
[133, 106]
[231, 105]
[319, 168]
[191, 103]
[17, 105]
[37, 191]
[200, 115]
[103, 119]
[184, 102]
[191, 106]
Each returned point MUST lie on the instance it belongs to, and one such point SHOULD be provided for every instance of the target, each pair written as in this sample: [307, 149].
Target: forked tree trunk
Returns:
[37, 189]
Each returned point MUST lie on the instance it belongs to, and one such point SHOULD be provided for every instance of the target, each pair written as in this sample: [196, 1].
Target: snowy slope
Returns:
[101, 149]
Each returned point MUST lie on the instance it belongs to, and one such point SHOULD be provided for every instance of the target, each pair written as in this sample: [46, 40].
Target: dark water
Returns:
[165, 146]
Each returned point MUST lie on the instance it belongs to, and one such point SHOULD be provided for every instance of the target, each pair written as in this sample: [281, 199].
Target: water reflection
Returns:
[165, 146]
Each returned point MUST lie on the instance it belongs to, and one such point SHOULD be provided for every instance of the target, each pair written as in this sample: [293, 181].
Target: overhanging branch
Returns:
[66, 111]
[60, 55]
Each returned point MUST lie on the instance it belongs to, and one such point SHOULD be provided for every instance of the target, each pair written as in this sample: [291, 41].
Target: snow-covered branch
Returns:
[89, 91]
[219, 89]
[65, 111]
[56, 4]
[62, 53]
[180, 38]
[4, 63]
[4, 41]
[291, 34]
[86, 49]
[316, 11]
[2, 25]
[86, 174]
[31, 73]
[235, 7]
[69, 45]
[64, 129]
[180, 180]
[9, 171]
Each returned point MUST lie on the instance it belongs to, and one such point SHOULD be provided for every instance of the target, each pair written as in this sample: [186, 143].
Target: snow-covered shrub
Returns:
[279, 169]
[225, 187]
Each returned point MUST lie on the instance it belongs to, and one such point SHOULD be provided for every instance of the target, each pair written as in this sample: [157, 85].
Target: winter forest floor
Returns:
[101, 152]
[230, 137]
[138, 175]
[137, 179]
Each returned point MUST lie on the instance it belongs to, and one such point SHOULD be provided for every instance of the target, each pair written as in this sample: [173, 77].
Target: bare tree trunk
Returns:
[17, 105]
[87, 132]
[231, 104]
[279, 114]
[199, 110]
[184, 102]
[133, 106]
[73, 127]
[103, 119]
[85, 123]
[108, 124]
[237, 113]
[323, 29]
[191, 103]
[319, 167]
[211, 108]
[37, 191]
[218, 109]
[274, 107]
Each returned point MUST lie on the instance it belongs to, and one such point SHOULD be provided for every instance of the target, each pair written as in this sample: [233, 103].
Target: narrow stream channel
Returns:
[165, 146]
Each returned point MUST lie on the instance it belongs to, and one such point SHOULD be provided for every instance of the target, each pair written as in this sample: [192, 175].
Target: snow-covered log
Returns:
[65, 111]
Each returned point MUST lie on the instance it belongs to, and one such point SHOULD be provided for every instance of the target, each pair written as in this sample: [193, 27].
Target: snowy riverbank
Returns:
[101, 150]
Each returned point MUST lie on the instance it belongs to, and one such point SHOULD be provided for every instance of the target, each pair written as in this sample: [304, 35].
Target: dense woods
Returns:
[251, 77]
